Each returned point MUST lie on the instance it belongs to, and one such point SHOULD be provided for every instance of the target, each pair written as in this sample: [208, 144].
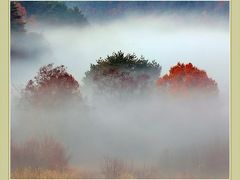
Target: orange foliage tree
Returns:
[186, 78]
[51, 85]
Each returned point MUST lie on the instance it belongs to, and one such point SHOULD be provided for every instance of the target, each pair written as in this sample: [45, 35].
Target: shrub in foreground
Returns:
[46, 153]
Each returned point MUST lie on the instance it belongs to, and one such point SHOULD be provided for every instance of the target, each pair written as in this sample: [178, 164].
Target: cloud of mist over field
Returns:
[151, 130]
[177, 135]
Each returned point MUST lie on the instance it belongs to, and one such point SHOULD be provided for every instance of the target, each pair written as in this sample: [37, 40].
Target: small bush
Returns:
[46, 154]
[113, 168]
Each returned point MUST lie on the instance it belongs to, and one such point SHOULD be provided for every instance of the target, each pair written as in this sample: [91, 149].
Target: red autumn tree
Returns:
[186, 78]
[51, 85]
[18, 16]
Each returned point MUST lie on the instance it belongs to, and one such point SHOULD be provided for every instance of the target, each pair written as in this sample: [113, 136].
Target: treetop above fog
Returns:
[185, 78]
[51, 84]
[121, 70]
[128, 62]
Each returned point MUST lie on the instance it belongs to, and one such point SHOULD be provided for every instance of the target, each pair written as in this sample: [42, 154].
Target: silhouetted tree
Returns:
[186, 78]
[52, 85]
[120, 72]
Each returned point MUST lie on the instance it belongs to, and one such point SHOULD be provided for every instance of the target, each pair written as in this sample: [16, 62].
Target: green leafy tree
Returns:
[120, 72]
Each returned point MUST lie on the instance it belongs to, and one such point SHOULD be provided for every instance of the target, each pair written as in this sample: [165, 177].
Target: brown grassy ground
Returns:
[30, 173]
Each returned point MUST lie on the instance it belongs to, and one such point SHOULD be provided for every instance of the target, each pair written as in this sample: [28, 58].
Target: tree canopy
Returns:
[186, 78]
[51, 85]
[122, 72]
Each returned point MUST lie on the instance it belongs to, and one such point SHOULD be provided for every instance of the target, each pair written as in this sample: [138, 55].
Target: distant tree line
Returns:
[52, 12]
[55, 12]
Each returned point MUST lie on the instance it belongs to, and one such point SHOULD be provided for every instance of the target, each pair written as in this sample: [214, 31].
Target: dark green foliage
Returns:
[122, 72]
[54, 12]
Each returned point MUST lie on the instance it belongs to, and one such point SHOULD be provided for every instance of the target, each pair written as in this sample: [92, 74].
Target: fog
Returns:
[151, 130]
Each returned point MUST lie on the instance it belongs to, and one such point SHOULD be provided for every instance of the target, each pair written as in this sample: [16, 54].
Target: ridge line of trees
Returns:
[52, 12]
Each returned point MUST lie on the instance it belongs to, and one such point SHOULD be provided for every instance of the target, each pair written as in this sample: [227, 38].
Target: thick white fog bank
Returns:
[152, 131]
